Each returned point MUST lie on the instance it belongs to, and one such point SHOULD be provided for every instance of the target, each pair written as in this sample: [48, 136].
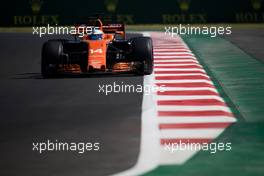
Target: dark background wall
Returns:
[41, 12]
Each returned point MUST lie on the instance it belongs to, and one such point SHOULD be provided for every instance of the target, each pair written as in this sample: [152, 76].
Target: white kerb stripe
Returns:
[192, 108]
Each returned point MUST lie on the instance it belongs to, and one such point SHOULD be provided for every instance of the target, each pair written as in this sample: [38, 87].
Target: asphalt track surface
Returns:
[34, 109]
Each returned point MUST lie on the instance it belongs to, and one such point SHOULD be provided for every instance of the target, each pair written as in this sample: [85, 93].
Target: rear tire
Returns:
[51, 55]
[143, 52]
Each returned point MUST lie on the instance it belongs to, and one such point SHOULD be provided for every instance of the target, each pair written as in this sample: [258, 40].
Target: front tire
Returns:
[143, 52]
[51, 55]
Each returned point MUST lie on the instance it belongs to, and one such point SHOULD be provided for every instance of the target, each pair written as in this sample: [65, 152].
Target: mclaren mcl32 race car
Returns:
[105, 49]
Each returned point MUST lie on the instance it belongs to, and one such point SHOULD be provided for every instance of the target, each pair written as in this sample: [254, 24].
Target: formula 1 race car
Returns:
[103, 49]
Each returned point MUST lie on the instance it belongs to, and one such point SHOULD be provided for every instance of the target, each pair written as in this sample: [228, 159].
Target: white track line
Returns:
[182, 74]
[177, 60]
[185, 81]
[178, 57]
[193, 97]
[192, 108]
[149, 143]
[201, 119]
[172, 53]
[176, 48]
[173, 64]
[171, 50]
[163, 88]
[179, 69]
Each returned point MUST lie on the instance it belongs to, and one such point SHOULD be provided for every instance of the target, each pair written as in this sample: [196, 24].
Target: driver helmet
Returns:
[96, 35]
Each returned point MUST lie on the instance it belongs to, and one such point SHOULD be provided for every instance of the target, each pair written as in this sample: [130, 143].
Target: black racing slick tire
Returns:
[143, 52]
[51, 55]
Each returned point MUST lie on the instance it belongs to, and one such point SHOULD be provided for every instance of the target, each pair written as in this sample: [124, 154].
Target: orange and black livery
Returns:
[104, 49]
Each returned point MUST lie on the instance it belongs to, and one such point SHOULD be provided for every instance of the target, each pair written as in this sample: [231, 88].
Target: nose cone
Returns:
[97, 53]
